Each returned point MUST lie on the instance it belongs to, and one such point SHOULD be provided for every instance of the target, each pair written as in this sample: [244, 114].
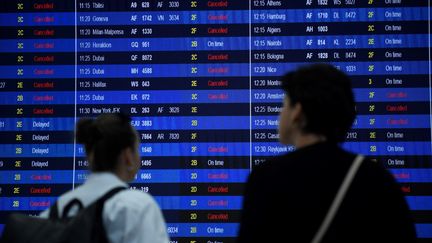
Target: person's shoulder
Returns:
[305, 156]
[277, 161]
[129, 204]
[133, 211]
[274, 165]
[373, 168]
[375, 180]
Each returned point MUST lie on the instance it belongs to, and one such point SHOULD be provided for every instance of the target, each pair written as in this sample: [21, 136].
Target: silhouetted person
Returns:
[287, 197]
[112, 148]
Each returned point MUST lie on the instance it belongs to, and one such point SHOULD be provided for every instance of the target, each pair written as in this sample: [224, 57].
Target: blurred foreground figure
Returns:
[112, 149]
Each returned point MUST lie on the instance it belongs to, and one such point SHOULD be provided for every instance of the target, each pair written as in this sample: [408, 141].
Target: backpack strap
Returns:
[70, 205]
[109, 194]
[98, 231]
[53, 213]
[100, 202]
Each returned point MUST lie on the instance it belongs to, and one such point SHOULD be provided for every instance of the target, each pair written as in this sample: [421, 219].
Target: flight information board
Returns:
[201, 81]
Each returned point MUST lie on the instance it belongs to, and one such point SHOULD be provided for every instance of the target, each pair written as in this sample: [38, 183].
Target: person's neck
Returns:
[304, 140]
[122, 174]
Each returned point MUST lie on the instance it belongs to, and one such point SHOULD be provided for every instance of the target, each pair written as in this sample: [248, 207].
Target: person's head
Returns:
[111, 144]
[318, 101]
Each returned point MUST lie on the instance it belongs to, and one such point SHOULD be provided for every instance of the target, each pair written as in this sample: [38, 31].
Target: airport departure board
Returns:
[201, 81]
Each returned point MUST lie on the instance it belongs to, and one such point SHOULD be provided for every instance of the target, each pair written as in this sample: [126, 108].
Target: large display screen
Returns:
[200, 80]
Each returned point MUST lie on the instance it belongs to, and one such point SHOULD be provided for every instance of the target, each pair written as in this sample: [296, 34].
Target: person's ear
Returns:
[298, 116]
[128, 161]
[297, 112]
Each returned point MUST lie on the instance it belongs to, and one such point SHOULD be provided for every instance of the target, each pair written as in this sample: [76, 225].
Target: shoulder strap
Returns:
[99, 204]
[338, 199]
[70, 205]
[98, 231]
[109, 194]
[53, 214]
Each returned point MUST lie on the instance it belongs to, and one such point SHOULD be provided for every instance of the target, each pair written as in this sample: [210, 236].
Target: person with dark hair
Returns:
[317, 193]
[112, 149]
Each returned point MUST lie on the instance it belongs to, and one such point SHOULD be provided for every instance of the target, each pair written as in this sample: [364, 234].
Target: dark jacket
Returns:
[287, 197]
